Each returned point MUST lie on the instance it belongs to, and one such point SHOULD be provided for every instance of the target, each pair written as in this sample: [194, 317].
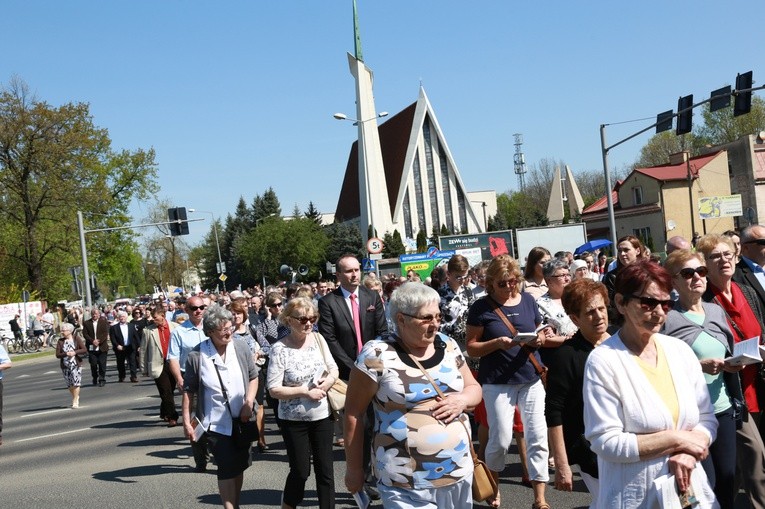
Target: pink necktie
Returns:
[356, 319]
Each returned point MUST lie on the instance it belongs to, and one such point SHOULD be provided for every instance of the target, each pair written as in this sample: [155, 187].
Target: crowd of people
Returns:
[616, 374]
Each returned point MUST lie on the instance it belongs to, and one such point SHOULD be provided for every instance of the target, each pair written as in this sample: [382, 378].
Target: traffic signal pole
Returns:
[84, 249]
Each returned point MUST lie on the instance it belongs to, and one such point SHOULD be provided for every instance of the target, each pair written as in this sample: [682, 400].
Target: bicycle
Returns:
[13, 344]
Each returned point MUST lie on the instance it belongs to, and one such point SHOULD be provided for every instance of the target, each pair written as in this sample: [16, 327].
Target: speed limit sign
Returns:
[374, 245]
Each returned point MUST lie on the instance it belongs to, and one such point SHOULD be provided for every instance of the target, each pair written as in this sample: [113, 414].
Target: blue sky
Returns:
[238, 96]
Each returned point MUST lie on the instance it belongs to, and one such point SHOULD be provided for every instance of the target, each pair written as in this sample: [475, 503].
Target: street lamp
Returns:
[485, 219]
[365, 211]
[221, 267]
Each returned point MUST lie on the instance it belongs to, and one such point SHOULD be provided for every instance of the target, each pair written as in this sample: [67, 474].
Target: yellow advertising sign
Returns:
[713, 207]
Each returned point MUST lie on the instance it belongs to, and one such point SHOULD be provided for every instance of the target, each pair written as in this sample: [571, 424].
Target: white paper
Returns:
[666, 491]
[746, 352]
[199, 430]
[320, 373]
[525, 337]
[362, 499]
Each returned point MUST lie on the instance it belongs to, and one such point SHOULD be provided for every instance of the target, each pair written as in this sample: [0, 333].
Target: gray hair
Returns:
[66, 326]
[215, 316]
[122, 313]
[410, 297]
[549, 268]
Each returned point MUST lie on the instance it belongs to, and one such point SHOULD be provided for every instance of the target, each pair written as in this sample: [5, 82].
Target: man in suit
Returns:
[95, 330]
[749, 271]
[350, 316]
[336, 321]
[155, 346]
[125, 341]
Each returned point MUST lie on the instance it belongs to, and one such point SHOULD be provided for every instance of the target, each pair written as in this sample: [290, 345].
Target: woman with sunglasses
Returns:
[744, 314]
[268, 332]
[300, 372]
[647, 411]
[507, 373]
[703, 326]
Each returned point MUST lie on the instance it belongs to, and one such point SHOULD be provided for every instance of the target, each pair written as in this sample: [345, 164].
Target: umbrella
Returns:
[592, 245]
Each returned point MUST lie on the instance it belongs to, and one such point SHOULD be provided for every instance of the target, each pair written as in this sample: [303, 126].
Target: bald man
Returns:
[676, 243]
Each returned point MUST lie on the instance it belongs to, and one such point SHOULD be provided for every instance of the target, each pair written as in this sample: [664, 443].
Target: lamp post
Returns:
[365, 208]
[221, 267]
[485, 219]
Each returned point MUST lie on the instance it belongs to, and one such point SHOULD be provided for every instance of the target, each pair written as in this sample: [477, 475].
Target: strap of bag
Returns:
[730, 320]
[225, 393]
[438, 390]
[537, 366]
[319, 339]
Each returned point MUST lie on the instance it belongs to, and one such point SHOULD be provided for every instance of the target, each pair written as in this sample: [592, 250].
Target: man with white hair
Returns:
[126, 342]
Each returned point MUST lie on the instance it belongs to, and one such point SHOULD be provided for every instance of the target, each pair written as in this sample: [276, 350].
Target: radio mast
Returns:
[520, 162]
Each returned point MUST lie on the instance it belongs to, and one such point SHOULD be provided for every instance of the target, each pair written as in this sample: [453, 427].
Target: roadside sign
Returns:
[375, 245]
[368, 265]
[223, 277]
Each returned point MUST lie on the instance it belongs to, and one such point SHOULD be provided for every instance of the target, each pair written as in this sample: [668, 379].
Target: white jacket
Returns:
[620, 403]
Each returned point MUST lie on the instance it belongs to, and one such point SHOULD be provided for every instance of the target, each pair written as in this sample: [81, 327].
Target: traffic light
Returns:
[664, 121]
[720, 98]
[743, 102]
[684, 118]
[178, 224]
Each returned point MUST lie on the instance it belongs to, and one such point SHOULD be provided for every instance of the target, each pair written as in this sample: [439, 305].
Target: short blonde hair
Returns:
[708, 242]
[501, 266]
[297, 304]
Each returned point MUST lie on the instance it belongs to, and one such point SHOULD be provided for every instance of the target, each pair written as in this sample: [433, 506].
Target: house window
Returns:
[644, 234]
[637, 195]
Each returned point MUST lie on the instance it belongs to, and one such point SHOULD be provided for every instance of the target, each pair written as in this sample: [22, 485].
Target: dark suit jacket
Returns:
[745, 276]
[115, 335]
[102, 333]
[336, 325]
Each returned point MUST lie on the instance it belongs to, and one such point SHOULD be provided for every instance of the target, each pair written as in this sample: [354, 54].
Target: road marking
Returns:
[46, 412]
[53, 435]
[49, 373]
[23, 376]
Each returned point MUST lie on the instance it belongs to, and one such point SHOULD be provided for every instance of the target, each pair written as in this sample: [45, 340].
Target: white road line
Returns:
[50, 372]
[46, 412]
[53, 435]
[23, 376]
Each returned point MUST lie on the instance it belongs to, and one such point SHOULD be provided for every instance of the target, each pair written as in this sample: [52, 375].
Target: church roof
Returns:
[394, 141]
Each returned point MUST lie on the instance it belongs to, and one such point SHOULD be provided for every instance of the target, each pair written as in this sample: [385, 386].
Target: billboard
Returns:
[713, 207]
[424, 263]
[490, 244]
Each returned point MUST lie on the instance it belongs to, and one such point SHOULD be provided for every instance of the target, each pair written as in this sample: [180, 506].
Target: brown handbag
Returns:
[541, 370]
[484, 486]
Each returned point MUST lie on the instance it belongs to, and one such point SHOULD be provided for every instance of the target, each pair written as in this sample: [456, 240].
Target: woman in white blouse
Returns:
[217, 370]
[647, 412]
[300, 372]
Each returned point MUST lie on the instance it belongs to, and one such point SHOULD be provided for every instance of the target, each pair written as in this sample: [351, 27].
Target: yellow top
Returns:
[660, 378]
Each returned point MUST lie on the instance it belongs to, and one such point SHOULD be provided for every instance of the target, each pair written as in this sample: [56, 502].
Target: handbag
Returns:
[484, 486]
[539, 368]
[336, 393]
[243, 434]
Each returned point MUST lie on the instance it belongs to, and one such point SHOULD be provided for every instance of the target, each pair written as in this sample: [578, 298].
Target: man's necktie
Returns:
[356, 319]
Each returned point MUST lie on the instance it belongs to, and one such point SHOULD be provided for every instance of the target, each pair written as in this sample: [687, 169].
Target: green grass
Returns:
[18, 357]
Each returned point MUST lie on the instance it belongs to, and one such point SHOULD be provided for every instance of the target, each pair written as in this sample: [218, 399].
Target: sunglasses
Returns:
[304, 319]
[200, 308]
[507, 284]
[649, 303]
[759, 242]
[426, 318]
[275, 305]
[687, 273]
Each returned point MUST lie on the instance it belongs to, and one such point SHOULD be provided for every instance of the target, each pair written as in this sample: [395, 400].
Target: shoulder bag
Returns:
[484, 486]
[243, 434]
[336, 393]
[541, 370]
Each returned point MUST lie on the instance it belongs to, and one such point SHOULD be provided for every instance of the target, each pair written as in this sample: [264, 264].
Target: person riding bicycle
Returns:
[16, 328]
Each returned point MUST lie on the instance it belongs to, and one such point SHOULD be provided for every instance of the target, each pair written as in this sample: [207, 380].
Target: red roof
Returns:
[601, 204]
[394, 140]
[669, 172]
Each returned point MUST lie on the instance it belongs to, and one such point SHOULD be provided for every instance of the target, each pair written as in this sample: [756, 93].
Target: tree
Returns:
[296, 212]
[265, 206]
[518, 210]
[313, 213]
[166, 256]
[276, 242]
[53, 162]
[393, 245]
[343, 238]
[722, 127]
[422, 241]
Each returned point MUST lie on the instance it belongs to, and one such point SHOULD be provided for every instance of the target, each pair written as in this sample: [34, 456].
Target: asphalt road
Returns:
[114, 452]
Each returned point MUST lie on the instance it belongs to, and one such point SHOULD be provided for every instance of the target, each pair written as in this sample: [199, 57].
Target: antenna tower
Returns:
[520, 162]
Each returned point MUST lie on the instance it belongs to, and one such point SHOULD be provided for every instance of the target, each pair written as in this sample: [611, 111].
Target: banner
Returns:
[713, 207]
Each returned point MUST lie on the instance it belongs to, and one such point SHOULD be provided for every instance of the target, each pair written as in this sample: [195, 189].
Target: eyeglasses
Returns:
[426, 318]
[305, 319]
[195, 308]
[461, 278]
[759, 242]
[649, 303]
[226, 331]
[716, 257]
[561, 275]
[507, 284]
[275, 305]
[687, 273]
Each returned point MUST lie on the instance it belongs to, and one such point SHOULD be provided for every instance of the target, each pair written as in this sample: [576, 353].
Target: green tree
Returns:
[343, 238]
[422, 241]
[53, 162]
[313, 213]
[166, 256]
[722, 127]
[276, 242]
[518, 210]
[393, 245]
[265, 206]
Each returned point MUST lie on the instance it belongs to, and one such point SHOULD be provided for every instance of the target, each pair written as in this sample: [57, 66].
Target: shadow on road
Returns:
[124, 475]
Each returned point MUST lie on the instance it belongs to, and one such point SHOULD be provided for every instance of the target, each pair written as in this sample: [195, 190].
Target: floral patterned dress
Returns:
[412, 449]
[70, 367]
